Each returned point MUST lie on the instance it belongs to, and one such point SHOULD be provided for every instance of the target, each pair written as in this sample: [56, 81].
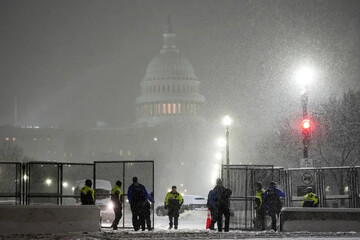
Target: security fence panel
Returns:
[109, 173]
[298, 180]
[42, 183]
[242, 179]
[336, 183]
[72, 179]
[144, 171]
[106, 174]
[357, 186]
[10, 187]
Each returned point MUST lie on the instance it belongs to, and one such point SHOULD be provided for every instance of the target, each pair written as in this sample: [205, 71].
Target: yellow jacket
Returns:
[173, 199]
[310, 200]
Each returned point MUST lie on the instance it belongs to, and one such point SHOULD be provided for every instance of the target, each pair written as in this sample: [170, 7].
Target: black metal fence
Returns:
[11, 184]
[242, 181]
[35, 183]
[124, 171]
[335, 186]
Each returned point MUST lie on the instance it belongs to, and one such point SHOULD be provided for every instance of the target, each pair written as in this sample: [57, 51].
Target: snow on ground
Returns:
[191, 226]
[187, 234]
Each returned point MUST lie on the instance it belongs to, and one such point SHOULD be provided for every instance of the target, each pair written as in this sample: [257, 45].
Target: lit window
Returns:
[14, 139]
[164, 108]
[7, 138]
[169, 108]
[174, 108]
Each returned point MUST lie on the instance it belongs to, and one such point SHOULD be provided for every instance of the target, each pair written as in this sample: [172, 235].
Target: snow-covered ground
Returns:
[191, 226]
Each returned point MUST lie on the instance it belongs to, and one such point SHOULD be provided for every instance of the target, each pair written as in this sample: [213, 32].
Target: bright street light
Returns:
[227, 120]
[304, 76]
[48, 181]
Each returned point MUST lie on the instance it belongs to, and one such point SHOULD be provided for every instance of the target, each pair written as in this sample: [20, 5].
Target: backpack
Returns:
[273, 201]
[138, 194]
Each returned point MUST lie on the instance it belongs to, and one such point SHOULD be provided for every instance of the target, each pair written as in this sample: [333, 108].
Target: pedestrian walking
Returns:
[117, 199]
[220, 202]
[87, 194]
[173, 202]
[137, 195]
[273, 202]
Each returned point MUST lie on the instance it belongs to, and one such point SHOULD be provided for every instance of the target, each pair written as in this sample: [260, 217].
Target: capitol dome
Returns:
[170, 65]
[170, 89]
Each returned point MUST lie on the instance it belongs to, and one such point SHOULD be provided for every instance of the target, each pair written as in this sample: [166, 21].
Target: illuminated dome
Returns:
[170, 88]
[170, 65]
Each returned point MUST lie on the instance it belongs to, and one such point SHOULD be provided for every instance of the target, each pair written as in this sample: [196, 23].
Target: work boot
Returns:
[175, 227]
[170, 227]
[115, 227]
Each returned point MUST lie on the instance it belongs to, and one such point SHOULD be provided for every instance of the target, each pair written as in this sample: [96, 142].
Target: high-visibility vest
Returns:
[259, 195]
[310, 197]
[114, 191]
[85, 189]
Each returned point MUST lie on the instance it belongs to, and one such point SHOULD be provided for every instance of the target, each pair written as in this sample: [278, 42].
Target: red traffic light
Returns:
[306, 124]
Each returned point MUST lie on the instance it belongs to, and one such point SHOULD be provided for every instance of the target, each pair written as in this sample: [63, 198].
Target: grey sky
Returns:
[78, 62]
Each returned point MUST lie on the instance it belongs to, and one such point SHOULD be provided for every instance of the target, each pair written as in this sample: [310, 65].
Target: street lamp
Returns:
[304, 76]
[227, 122]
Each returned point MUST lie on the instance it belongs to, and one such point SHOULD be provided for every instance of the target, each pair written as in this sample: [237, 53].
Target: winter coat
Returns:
[137, 194]
[220, 197]
[259, 199]
[272, 200]
[173, 200]
[87, 195]
[310, 200]
[116, 196]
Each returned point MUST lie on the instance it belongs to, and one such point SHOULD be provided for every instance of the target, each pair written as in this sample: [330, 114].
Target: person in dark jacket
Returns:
[273, 203]
[173, 202]
[310, 199]
[137, 195]
[259, 207]
[117, 199]
[87, 194]
[212, 211]
[220, 202]
[147, 213]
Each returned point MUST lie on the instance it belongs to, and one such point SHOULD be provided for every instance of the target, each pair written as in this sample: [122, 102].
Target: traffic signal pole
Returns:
[305, 130]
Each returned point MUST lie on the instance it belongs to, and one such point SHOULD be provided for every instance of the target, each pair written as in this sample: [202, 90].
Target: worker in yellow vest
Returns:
[173, 202]
[117, 199]
[87, 194]
[310, 199]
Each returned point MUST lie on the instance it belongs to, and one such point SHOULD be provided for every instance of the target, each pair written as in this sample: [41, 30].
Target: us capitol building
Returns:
[169, 129]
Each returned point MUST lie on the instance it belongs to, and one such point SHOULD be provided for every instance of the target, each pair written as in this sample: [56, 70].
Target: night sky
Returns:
[73, 63]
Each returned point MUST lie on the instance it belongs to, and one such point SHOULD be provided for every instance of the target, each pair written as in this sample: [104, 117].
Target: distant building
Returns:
[170, 88]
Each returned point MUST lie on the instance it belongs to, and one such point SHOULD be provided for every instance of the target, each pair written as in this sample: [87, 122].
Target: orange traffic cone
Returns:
[208, 220]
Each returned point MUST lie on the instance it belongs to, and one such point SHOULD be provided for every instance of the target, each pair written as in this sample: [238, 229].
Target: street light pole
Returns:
[227, 155]
[227, 121]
